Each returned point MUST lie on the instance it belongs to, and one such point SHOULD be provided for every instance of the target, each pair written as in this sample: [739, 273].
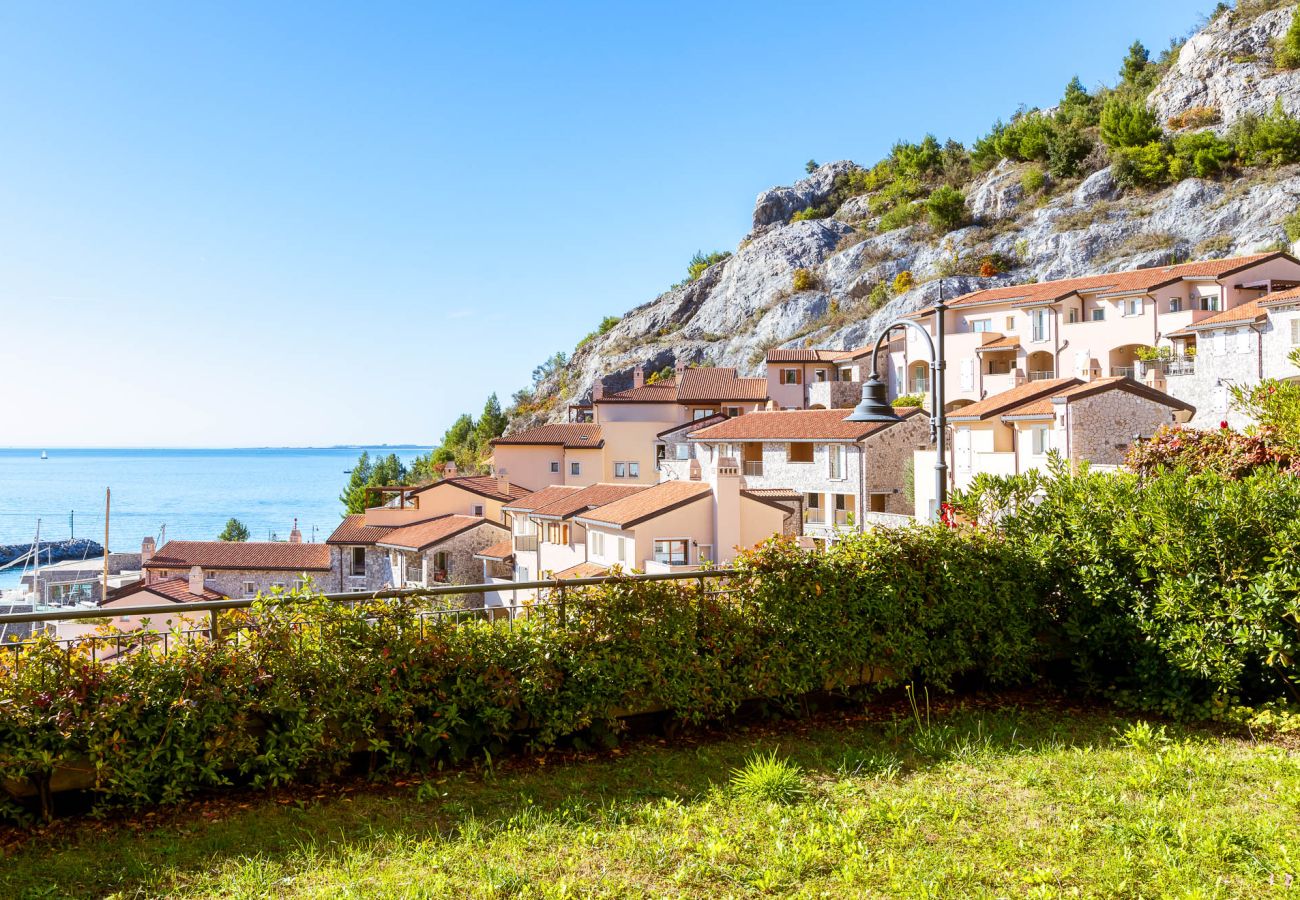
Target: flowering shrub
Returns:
[1222, 451]
[288, 702]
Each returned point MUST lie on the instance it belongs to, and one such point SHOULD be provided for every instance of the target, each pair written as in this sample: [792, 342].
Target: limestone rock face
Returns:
[1227, 66]
[776, 205]
[745, 305]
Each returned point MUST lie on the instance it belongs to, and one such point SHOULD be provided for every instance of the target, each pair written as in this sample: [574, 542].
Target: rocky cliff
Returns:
[746, 304]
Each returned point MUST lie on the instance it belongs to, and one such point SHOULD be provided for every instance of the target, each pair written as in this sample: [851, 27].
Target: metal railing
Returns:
[1174, 365]
[754, 467]
[526, 542]
[1042, 375]
[1124, 371]
[105, 647]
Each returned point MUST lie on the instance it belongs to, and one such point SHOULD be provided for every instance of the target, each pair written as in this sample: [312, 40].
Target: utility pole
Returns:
[108, 497]
[72, 524]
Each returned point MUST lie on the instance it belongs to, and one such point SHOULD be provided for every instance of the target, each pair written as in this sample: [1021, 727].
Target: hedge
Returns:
[289, 703]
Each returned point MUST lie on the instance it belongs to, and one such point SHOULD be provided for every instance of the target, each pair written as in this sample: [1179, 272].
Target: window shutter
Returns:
[1295, 332]
[968, 374]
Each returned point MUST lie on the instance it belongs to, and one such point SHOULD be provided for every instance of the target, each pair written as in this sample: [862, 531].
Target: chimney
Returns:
[295, 536]
[503, 482]
[678, 369]
[196, 581]
[598, 390]
[449, 470]
[638, 377]
[726, 510]
[147, 548]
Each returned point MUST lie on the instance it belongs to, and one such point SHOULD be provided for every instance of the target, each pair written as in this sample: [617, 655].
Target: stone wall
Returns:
[379, 570]
[834, 394]
[231, 582]
[1102, 426]
[889, 453]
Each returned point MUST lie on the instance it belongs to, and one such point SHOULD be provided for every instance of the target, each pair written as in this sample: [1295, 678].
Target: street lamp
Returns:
[875, 406]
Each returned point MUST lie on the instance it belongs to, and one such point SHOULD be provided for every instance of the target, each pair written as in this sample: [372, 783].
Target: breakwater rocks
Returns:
[52, 551]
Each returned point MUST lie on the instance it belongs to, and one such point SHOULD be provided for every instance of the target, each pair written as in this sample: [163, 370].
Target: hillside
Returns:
[1213, 169]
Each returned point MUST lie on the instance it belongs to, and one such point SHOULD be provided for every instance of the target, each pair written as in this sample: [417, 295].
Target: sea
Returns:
[184, 494]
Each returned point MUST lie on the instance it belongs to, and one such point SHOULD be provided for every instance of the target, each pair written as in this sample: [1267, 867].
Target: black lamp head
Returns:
[874, 406]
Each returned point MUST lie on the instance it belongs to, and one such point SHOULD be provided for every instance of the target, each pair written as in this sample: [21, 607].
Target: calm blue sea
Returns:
[191, 492]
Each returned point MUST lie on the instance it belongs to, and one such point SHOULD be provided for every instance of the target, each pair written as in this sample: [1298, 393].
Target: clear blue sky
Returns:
[270, 223]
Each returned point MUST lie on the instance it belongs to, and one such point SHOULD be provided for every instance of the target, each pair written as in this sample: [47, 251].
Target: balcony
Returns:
[1123, 371]
[754, 467]
[414, 575]
[525, 542]
[1177, 365]
[1042, 375]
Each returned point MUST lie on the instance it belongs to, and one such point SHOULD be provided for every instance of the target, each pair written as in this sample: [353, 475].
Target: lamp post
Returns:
[875, 405]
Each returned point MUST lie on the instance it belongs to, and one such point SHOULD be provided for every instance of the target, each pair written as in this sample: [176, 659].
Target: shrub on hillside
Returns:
[1145, 166]
[1195, 117]
[946, 209]
[901, 217]
[903, 282]
[1202, 154]
[1067, 150]
[1032, 180]
[804, 280]
[1291, 224]
[1286, 53]
[1271, 140]
[1127, 124]
[701, 261]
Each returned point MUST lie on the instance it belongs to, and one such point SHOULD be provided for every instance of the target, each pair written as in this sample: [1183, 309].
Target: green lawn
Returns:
[1005, 801]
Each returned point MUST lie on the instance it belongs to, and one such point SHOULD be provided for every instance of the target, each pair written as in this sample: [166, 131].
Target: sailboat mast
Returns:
[108, 496]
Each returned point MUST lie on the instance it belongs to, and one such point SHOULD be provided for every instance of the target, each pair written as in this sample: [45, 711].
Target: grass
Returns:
[1000, 800]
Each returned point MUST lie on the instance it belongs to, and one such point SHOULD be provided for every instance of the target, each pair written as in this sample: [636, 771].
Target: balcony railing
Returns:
[1042, 375]
[843, 517]
[525, 542]
[1124, 371]
[754, 467]
[814, 516]
[1177, 365]
[414, 575]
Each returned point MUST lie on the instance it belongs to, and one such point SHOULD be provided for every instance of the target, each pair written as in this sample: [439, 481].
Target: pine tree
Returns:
[353, 497]
[235, 532]
[1135, 65]
[492, 423]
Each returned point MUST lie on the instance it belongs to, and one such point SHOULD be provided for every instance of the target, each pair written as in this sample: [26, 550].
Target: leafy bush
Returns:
[1221, 451]
[810, 213]
[1286, 54]
[700, 261]
[1143, 166]
[606, 325]
[1271, 140]
[804, 280]
[1202, 154]
[1077, 106]
[291, 703]
[946, 209]
[1195, 117]
[1067, 150]
[1033, 180]
[810, 166]
[903, 401]
[901, 217]
[878, 297]
[1127, 124]
[903, 282]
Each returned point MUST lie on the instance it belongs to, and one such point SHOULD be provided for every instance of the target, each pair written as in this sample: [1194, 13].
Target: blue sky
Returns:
[249, 224]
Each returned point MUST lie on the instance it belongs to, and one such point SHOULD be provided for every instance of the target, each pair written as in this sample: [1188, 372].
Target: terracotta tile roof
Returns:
[1047, 406]
[773, 493]
[807, 354]
[571, 435]
[1112, 283]
[582, 570]
[482, 485]
[170, 590]
[1004, 342]
[1279, 298]
[501, 551]
[653, 501]
[264, 556]
[587, 498]
[1250, 311]
[659, 392]
[1017, 396]
[713, 384]
[694, 424]
[354, 530]
[538, 499]
[790, 425]
[423, 535]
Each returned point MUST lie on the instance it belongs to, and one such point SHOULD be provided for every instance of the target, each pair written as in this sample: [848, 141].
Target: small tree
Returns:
[810, 166]
[1287, 52]
[946, 209]
[1128, 123]
[235, 532]
[491, 424]
[1136, 71]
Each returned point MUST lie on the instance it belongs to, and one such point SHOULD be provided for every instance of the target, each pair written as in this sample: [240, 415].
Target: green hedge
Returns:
[289, 703]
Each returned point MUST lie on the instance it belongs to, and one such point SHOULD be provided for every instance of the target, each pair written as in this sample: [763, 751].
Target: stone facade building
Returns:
[441, 550]
[244, 569]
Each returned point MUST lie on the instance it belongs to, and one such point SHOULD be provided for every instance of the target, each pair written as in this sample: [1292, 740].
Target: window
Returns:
[981, 325]
[634, 470]
[789, 376]
[478, 509]
[298, 584]
[1295, 332]
[358, 562]
[277, 585]
[1011, 323]
[575, 468]
[555, 467]
[1038, 437]
[597, 543]
[999, 367]
[1039, 317]
[622, 550]
[1131, 306]
[683, 451]
[813, 506]
[440, 564]
[1098, 314]
[1074, 315]
[250, 589]
[800, 453]
[521, 573]
[1175, 304]
[837, 461]
[671, 552]
[733, 411]
[697, 414]
[819, 375]
[1210, 302]
[70, 594]
[620, 470]
[846, 374]
[843, 508]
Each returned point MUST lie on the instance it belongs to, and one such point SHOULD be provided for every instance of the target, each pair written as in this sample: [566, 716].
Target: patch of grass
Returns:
[1022, 799]
[1084, 217]
[769, 779]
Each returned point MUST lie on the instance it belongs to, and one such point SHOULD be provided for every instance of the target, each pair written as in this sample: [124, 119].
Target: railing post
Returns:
[215, 626]
[564, 621]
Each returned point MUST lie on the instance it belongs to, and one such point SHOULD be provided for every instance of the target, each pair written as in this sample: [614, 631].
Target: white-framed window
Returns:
[843, 508]
[298, 584]
[1038, 439]
[683, 451]
[634, 470]
[478, 509]
[1098, 314]
[812, 504]
[819, 375]
[846, 374]
[1210, 303]
[981, 325]
[1041, 327]
[1295, 332]
[620, 470]
[1131, 306]
[555, 467]
[837, 452]
[1073, 315]
[1175, 304]
[521, 573]
[1011, 323]
[672, 551]
[789, 376]
[622, 550]
[575, 468]
[358, 563]
[733, 411]
[597, 543]
[697, 414]
[277, 584]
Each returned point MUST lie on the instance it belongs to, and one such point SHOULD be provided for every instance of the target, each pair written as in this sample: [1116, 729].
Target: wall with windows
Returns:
[356, 567]
[447, 498]
[250, 582]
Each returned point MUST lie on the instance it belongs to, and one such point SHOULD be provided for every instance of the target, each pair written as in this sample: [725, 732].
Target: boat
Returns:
[44, 455]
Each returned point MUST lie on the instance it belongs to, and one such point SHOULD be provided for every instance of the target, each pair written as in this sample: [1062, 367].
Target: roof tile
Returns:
[423, 535]
[570, 435]
[714, 384]
[791, 425]
[252, 555]
[647, 504]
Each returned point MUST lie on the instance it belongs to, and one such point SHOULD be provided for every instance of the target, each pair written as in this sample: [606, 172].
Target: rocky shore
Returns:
[53, 551]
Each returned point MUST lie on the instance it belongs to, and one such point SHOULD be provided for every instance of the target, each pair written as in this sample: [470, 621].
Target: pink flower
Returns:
[1223, 424]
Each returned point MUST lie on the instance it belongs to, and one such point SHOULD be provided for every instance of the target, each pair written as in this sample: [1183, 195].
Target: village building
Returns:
[547, 538]
[244, 569]
[440, 550]
[180, 590]
[845, 473]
